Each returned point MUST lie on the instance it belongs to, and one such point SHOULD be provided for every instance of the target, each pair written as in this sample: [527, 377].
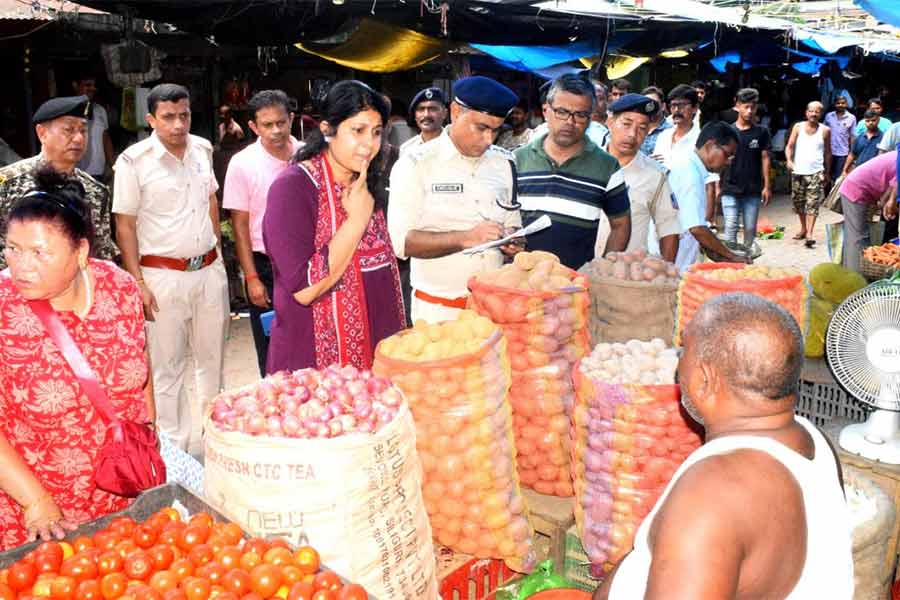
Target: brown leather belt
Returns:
[180, 264]
[448, 302]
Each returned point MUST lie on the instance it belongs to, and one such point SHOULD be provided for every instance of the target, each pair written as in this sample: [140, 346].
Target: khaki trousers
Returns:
[193, 313]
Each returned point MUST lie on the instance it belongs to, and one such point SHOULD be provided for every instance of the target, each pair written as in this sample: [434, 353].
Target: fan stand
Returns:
[876, 439]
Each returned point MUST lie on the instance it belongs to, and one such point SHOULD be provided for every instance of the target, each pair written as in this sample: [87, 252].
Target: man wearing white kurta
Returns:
[454, 193]
[168, 224]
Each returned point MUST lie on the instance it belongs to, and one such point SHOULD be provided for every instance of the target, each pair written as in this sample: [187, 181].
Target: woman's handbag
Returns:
[128, 461]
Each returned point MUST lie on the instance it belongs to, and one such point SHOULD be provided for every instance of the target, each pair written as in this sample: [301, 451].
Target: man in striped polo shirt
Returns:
[565, 175]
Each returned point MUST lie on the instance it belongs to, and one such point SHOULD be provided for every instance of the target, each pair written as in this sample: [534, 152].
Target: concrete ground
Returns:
[240, 356]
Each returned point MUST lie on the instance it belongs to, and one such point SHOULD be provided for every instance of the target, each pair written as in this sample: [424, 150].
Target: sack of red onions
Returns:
[326, 458]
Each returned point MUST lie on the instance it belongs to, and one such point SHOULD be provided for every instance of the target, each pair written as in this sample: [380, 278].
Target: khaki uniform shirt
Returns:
[169, 197]
[17, 179]
[435, 188]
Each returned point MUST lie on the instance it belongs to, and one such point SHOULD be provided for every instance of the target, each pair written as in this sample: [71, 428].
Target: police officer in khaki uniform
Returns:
[61, 127]
[453, 193]
[167, 225]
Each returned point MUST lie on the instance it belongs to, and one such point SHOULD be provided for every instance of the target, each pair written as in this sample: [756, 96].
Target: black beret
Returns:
[65, 106]
[635, 103]
[484, 95]
[425, 95]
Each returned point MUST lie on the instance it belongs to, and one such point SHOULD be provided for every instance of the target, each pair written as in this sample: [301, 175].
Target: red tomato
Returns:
[191, 537]
[82, 543]
[352, 591]
[265, 580]
[307, 559]
[144, 536]
[162, 557]
[176, 594]
[225, 595]
[278, 556]
[237, 581]
[113, 585]
[21, 576]
[251, 596]
[250, 560]
[6, 592]
[291, 574]
[302, 590]
[106, 539]
[63, 588]
[48, 553]
[229, 557]
[182, 568]
[196, 588]
[327, 580]
[163, 581]
[138, 565]
[279, 543]
[124, 526]
[232, 533]
[126, 548]
[145, 592]
[201, 554]
[88, 590]
[257, 545]
[201, 518]
[109, 562]
[323, 595]
[45, 563]
[80, 566]
[213, 571]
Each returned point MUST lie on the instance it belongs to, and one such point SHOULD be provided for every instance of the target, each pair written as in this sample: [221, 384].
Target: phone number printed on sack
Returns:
[267, 471]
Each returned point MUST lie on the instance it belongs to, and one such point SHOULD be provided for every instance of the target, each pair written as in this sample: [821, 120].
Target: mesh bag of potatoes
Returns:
[704, 281]
[542, 307]
[455, 376]
[633, 296]
[629, 438]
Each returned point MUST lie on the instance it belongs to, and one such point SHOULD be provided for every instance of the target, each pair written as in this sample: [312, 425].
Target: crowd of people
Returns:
[349, 237]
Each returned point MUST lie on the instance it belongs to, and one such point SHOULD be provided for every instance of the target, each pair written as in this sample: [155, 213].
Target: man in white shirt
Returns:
[715, 148]
[429, 111]
[680, 139]
[98, 155]
[167, 221]
[648, 187]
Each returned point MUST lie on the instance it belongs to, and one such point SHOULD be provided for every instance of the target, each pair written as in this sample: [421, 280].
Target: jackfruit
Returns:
[820, 313]
[834, 283]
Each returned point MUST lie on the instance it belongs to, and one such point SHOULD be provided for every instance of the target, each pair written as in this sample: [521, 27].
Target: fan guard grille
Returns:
[872, 311]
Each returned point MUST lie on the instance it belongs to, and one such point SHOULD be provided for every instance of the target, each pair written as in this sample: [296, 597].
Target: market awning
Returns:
[535, 58]
[883, 10]
[381, 48]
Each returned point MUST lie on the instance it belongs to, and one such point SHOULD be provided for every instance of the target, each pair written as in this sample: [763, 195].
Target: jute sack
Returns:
[357, 499]
[873, 565]
[629, 310]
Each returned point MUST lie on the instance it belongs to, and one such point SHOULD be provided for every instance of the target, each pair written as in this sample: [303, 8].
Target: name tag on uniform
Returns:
[446, 188]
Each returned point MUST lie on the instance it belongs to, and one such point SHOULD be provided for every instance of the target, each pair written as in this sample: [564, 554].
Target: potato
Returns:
[612, 257]
[649, 274]
[540, 255]
[636, 272]
[620, 270]
[525, 260]
[672, 271]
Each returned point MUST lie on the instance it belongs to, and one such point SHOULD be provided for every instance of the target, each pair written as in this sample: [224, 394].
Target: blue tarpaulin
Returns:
[886, 11]
[762, 56]
[535, 58]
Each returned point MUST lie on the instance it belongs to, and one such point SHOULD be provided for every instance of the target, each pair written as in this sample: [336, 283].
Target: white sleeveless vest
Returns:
[828, 570]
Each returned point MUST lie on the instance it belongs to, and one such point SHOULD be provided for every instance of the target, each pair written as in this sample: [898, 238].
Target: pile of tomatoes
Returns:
[168, 558]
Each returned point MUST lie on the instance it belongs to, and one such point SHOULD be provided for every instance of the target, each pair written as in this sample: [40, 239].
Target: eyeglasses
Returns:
[577, 116]
[729, 156]
[679, 105]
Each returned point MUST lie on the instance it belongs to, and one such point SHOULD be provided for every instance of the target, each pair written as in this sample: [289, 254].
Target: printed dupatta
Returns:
[341, 322]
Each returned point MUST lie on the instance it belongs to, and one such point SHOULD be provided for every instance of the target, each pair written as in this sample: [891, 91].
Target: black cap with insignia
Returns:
[432, 93]
[634, 103]
[65, 106]
[484, 95]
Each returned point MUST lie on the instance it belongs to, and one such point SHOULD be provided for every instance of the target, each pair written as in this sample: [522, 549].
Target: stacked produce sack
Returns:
[831, 285]
[704, 281]
[633, 296]
[455, 376]
[630, 436]
[326, 458]
[542, 307]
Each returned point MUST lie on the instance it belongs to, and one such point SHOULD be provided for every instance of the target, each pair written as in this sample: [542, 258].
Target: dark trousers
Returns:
[260, 339]
[890, 230]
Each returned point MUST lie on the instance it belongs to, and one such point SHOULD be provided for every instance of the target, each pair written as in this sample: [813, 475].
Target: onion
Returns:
[391, 397]
[256, 423]
[273, 426]
[291, 426]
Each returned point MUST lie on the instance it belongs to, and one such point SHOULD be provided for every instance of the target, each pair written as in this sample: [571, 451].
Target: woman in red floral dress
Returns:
[49, 430]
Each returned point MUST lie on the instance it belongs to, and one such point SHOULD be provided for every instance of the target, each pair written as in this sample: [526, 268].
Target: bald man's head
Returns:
[753, 343]
[814, 111]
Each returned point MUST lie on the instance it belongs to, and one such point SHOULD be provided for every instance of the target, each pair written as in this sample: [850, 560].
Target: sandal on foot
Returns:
[810, 243]
[799, 236]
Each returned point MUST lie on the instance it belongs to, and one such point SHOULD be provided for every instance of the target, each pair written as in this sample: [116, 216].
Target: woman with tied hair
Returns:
[50, 432]
[337, 287]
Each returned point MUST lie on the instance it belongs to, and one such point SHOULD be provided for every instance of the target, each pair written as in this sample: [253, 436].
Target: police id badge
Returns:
[446, 188]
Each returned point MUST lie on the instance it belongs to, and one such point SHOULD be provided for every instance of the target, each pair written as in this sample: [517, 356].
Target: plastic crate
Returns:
[476, 579]
[822, 402]
[577, 566]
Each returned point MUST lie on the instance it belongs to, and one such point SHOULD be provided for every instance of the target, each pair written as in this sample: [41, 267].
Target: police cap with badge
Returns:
[635, 103]
[426, 95]
[484, 95]
[65, 106]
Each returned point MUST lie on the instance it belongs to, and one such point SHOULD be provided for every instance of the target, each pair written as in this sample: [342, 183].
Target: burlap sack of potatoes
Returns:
[629, 310]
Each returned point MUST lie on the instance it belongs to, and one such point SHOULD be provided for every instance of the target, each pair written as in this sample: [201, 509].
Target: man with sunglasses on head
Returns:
[564, 175]
[61, 127]
[453, 193]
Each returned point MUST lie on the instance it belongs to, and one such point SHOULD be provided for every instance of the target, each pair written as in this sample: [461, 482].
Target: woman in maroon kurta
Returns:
[337, 287]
